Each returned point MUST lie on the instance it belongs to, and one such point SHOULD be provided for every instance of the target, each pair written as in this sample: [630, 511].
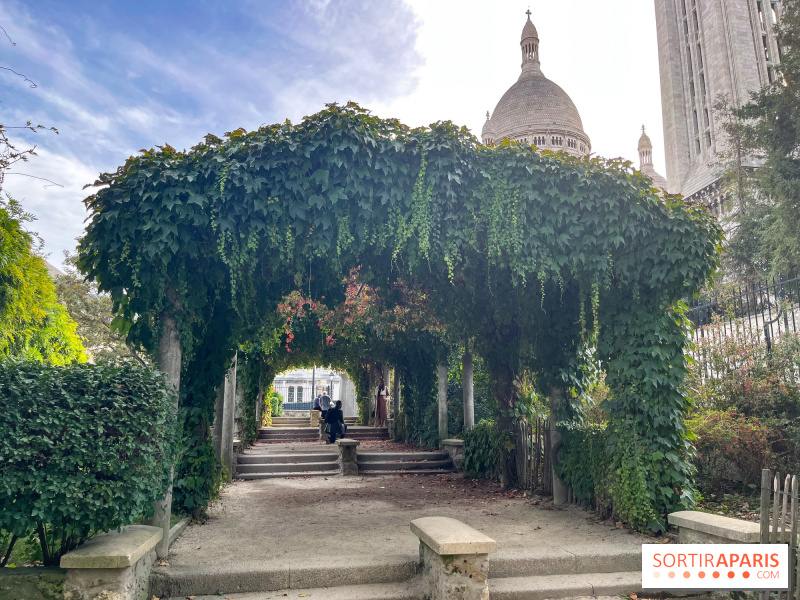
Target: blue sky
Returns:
[117, 76]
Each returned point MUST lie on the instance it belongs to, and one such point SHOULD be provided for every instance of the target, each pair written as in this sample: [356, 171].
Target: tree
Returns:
[766, 238]
[93, 313]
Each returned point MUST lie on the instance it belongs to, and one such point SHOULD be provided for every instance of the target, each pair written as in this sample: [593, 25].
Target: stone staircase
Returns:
[252, 465]
[295, 422]
[529, 574]
[290, 432]
[404, 463]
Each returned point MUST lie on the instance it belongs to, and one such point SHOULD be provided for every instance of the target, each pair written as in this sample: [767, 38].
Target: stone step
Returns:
[401, 456]
[267, 459]
[405, 465]
[407, 472]
[283, 430]
[594, 558]
[179, 581]
[542, 587]
[289, 474]
[411, 590]
[286, 467]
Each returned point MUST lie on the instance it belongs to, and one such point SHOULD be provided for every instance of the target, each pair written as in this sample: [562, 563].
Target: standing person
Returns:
[325, 405]
[316, 405]
[382, 404]
[335, 420]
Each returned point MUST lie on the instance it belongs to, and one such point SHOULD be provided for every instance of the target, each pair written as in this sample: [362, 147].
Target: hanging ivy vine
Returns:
[502, 240]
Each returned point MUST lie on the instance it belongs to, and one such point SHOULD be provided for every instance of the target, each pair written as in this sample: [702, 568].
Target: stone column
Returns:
[396, 393]
[216, 432]
[322, 435]
[170, 355]
[226, 445]
[469, 395]
[259, 405]
[348, 456]
[442, 402]
[454, 558]
[560, 489]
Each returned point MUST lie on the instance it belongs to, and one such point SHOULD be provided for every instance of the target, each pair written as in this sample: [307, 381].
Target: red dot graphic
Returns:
[702, 574]
[716, 574]
[746, 574]
[731, 574]
[686, 574]
[671, 574]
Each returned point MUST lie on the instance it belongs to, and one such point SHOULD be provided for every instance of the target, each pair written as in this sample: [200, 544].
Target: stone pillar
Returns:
[390, 428]
[454, 559]
[455, 450]
[396, 393]
[238, 412]
[348, 456]
[468, 385]
[314, 414]
[259, 405]
[322, 435]
[170, 355]
[560, 489]
[226, 445]
[442, 402]
[216, 432]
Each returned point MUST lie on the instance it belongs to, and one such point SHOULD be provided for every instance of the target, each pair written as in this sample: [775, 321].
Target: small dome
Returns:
[529, 31]
[644, 142]
[488, 128]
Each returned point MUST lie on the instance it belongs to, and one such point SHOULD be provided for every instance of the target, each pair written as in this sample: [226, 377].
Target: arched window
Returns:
[290, 395]
[299, 393]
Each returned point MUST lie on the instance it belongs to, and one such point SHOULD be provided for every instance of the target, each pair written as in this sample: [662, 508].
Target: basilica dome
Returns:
[536, 110]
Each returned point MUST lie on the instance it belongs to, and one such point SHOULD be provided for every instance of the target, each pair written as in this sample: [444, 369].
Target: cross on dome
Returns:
[528, 12]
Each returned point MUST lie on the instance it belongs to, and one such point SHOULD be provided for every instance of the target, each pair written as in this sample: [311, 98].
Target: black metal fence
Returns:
[765, 311]
[296, 406]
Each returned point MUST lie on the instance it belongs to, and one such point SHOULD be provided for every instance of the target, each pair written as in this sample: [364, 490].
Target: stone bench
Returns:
[454, 558]
[117, 563]
[696, 527]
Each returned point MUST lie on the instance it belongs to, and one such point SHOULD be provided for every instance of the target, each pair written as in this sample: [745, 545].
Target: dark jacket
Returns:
[335, 420]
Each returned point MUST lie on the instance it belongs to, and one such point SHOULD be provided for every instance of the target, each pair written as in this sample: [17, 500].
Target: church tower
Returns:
[646, 162]
[709, 50]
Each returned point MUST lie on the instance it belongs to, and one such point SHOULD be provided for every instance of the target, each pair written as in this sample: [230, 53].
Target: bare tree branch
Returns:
[33, 84]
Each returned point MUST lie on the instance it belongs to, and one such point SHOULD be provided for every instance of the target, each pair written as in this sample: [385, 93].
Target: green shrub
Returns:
[756, 383]
[482, 451]
[584, 464]
[83, 448]
[276, 401]
[731, 449]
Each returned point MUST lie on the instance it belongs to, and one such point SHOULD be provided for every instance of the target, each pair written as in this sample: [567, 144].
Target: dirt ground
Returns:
[312, 517]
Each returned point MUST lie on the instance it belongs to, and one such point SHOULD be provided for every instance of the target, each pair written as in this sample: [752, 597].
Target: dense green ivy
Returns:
[534, 256]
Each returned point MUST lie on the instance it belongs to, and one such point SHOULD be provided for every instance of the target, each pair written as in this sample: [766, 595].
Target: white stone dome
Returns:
[536, 110]
[534, 103]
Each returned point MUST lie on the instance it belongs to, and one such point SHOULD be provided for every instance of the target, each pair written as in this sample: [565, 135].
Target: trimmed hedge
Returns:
[83, 448]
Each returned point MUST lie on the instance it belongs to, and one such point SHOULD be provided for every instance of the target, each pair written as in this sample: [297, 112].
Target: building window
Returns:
[299, 393]
[290, 395]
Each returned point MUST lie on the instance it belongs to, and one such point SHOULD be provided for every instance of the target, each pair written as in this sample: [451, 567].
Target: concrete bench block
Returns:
[348, 456]
[116, 564]
[454, 448]
[454, 558]
[447, 536]
[696, 527]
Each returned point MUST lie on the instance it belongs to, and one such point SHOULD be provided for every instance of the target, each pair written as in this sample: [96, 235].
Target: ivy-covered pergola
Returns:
[547, 262]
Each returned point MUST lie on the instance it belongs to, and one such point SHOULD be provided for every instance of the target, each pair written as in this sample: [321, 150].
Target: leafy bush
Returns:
[758, 384]
[730, 448]
[276, 401]
[83, 448]
[584, 464]
[482, 451]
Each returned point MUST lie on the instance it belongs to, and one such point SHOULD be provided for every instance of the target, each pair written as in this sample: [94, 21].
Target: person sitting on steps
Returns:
[335, 420]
